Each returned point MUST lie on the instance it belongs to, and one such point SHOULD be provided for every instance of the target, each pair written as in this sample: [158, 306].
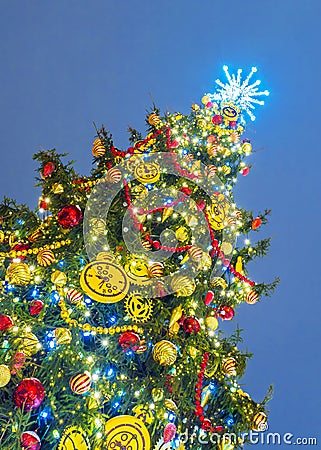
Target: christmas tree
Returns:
[115, 290]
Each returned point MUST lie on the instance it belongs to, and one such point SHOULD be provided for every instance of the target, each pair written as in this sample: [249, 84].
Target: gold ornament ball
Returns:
[18, 273]
[157, 394]
[259, 422]
[165, 353]
[154, 120]
[98, 148]
[62, 336]
[205, 99]
[5, 375]
[211, 323]
[28, 344]
[247, 148]
[181, 234]
[156, 270]
[59, 278]
[182, 286]
[45, 257]
[229, 366]
[57, 188]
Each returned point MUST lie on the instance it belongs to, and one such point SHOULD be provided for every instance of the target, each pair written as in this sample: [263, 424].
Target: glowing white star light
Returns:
[241, 93]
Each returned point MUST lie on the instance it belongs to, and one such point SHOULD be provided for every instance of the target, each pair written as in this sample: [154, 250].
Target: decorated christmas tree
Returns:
[115, 290]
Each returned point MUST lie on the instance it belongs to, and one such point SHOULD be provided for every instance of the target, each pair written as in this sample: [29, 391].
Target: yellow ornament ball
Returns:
[181, 234]
[157, 394]
[211, 323]
[165, 353]
[5, 375]
[28, 344]
[98, 148]
[62, 336]
[18, 273]
[205, 99]
[59, 278]
[183, 286]
[247, 148]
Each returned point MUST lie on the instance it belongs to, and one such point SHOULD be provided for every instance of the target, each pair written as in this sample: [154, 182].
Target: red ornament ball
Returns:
[129, 341]
[43, 205]
[209, 297]
[206, 425]
[48, 169]
[19, 248]
[233, 124]
[256, 223]
[218, 429]
[191, 325]
[217, 119]
[245, 171]
[69, 216]
[5, 322]
[225, 312]
[35, 307]
[29, 394]
[186, 190]
[18, 361]
[30, 440]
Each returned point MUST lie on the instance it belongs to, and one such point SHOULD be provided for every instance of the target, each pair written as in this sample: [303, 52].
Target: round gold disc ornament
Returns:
[147, 172]
[138, 309]
[126, 433]
[104, 281]
[5, 375]
[218, 211]
[74, 438]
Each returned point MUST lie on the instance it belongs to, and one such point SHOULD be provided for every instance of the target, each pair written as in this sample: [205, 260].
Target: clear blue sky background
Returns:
[65, 64]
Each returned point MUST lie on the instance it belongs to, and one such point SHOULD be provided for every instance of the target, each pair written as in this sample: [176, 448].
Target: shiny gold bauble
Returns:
[195, 107]
[182, 286]
[2, 235]
[154, 120]
[195, 253]
[259, 422]
[205, 99]
[5, 375]
[181, 234]
[217, 282]
[226, 248]
[211, 323]
[229, 366]
[18, 273]
[156, 270]
[57, 188]
[251, 297]
[45, 257]
[98, 148]
[28, 344]
[97, 226]
[165, 353]
[170, 405]
[62, 336]
[247, 148]
[192, 351]
[157, 394]
[59, 278]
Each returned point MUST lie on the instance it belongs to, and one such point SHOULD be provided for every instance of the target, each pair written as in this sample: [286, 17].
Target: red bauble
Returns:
[29, 394]
[245, 171]
[217, 119]
[43, 205]
[18, 361]
[129, 341]
[208, 298]
[218, 429]
[200, 204]
[191, 325]
[256, 223]
[35, 307]
[30, 440]
[206, 424]
[209, 105]
[186, 190]
[19, 248]
[232, 124]
[48, 169]
[225, 312]
[5, 322]
[69, 216]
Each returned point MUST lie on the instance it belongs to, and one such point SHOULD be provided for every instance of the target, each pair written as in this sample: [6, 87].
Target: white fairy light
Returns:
[241, 93]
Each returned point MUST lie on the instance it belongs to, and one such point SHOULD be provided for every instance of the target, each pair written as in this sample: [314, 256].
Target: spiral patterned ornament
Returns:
[229, 367]
[114, 175]
[195, 253]
[18, 274]
[59, 278]
[259, 422]
[169, 432]
[45, 257]
[156, 270]
[62, 336]
[80, 383]
[126, 433]
[182, 286]
[73, 296]
[5, 375]
[165, 353]
[28, 343]
[154, 120]
[98, 148]
[211, 171]
[251, 297]
[218, 282]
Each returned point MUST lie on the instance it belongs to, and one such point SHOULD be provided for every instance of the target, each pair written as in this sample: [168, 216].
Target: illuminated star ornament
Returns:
[241, 93]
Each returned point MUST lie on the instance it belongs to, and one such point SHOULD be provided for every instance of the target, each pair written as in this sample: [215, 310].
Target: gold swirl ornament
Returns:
[165, 353]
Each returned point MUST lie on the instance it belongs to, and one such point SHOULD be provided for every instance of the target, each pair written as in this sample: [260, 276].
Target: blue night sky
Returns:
[65, 64]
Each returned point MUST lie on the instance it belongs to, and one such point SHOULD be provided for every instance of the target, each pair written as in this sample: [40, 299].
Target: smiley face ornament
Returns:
[104, 281]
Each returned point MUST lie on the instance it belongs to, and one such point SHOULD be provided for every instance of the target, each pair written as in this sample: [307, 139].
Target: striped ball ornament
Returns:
[259, 422]
[45, 257]
[154, 120]
[73, 296]
[212, 150]
[229, 366]
[195, 253]
[18, 273]
[156, 270]
[113, 175]
[211, 171]
[80, 383]
[251, 297]
[165, 353]
[98, 149]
